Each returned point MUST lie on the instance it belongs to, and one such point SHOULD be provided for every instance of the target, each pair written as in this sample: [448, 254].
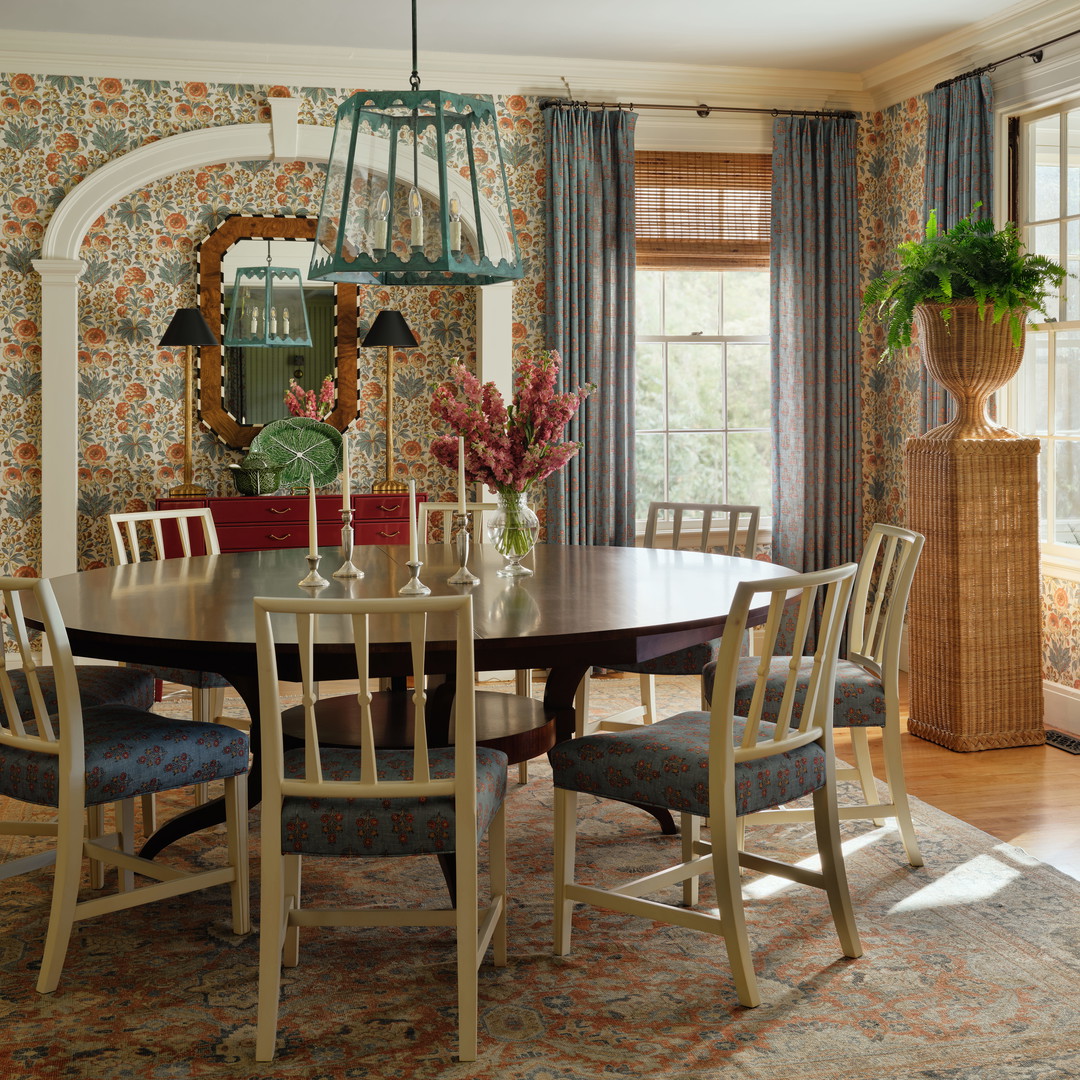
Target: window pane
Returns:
[1044, 153]
[750, 469]
[748, 380]
[696, 467]
[1072, 195]
[746, 302]
[649, 391]
[1046, 240]
[1032, 415]
[649, 468]
[695, 385]
[1067, 384]
[691, 302]
[1067, 492]
[647, 307]
[1072, 265]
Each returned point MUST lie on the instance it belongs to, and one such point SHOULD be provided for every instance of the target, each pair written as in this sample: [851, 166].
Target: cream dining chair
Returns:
[385, 803]
[57, 752]
[128, 534]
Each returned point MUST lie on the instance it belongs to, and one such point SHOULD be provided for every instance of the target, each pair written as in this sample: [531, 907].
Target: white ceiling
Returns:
[829, 35]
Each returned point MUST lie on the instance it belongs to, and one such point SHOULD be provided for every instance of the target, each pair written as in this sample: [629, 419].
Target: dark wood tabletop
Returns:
[583, 606]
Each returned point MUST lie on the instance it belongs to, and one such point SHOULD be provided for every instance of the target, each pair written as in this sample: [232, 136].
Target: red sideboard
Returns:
[260, 522]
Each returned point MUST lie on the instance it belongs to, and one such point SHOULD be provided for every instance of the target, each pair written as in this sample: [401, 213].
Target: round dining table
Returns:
[581, 607]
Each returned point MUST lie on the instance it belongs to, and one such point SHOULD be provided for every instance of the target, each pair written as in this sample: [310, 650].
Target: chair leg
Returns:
[236, 825]
[898, 796]
[827, 828]
[497, 875]
[467, 928]
[149, 814]
[565, 849]
[648, 697]
[65, 895]
[523, 688]
[690, 830]
[292, 872]
[728, 884]
[95, 829]
[125, 826]
[865, 768]
[272, 920]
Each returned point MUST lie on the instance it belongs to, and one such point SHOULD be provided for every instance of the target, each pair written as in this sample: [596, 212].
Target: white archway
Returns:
[283, 139]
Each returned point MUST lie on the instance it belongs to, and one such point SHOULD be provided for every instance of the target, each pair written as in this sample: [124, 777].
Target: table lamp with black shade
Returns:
[188, 328]
[390, 329]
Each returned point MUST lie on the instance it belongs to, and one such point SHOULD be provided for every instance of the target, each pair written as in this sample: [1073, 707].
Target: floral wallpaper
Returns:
[141, 265]
[57, 129]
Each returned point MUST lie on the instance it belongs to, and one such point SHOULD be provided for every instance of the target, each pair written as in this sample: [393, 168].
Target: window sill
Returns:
[718, 537]
[1059, 562]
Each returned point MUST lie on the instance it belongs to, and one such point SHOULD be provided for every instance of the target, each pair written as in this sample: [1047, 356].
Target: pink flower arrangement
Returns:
[507, 448]
[303, 402]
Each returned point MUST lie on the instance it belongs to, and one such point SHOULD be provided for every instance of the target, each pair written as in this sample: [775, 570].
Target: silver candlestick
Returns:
[463, 575]
[314, 579]
[414, 587]
[347, 569]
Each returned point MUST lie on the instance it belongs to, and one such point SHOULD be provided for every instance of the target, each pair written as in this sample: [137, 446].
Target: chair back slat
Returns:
[35, 731]
[309, 696]
[447, 510]
[327, 618]
[731, 518]
[880, 598]
[126, 531]
[816, 719]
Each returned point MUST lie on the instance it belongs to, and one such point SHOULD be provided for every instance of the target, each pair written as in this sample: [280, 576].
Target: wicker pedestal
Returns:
[974, 615]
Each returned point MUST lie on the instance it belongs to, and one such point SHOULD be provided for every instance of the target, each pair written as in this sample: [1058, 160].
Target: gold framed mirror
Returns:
[231, 425]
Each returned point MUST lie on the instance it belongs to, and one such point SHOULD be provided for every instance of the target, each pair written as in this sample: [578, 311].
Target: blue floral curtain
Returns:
[959, 174]
[816, 397]
[590, 318]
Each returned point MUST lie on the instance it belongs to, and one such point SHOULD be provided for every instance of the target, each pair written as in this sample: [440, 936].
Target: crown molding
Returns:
[1020, 27]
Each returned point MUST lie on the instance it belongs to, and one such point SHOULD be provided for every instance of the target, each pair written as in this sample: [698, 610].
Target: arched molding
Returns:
[283, 139]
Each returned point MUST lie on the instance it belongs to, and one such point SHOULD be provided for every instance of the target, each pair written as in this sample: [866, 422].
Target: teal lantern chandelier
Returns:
[267, 307]
[416, 191]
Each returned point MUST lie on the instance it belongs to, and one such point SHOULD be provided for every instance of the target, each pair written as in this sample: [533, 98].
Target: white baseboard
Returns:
[1061, 706]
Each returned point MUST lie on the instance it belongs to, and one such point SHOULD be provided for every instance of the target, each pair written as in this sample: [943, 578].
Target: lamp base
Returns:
[187, 489]
[389, 487]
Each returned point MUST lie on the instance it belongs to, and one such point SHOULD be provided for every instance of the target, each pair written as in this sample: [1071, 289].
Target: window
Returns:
[1048, 387]
[702, 397]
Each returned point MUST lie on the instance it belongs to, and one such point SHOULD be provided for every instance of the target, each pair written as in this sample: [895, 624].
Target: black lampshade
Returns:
[188, 327]
[390, 328]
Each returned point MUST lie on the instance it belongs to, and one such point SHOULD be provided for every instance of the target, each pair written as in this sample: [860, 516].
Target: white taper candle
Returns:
[345, 484]
[461, 474]
[412, 521]
[313, 535]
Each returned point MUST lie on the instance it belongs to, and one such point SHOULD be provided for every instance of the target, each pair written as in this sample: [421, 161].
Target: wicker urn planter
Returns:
[975, 651]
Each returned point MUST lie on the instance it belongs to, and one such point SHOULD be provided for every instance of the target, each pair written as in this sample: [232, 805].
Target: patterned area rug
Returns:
[971, 972]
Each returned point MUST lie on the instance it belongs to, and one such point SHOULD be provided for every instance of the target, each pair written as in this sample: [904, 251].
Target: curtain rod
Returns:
[1036, 55]
[701, 110]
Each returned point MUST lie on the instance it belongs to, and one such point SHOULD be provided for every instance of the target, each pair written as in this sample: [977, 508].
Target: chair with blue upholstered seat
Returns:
[363, 802]
[127, 533]
[75, 757]
[717, 765]
[867, 683]
[724, 529]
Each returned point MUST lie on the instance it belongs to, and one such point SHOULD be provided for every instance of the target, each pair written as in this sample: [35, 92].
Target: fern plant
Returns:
[971, 260]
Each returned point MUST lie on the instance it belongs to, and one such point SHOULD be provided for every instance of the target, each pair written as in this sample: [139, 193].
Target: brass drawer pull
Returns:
[273, 536]
[390, 510]
[275, 510]
[397, 533]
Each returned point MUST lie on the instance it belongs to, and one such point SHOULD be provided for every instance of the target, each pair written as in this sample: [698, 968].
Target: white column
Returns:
[60, 412]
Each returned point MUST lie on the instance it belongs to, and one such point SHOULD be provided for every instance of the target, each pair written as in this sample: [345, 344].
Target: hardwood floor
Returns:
[1028, 796]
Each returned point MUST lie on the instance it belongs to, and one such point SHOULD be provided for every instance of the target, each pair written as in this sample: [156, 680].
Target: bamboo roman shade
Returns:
[702, 211]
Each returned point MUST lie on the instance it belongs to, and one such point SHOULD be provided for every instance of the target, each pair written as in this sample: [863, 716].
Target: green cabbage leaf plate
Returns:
[301, 448]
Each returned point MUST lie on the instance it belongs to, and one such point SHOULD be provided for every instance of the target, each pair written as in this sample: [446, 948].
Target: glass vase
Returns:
[512, 530]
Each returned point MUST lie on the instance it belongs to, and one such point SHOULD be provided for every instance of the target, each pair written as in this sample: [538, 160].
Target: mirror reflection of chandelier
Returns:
[416, 191]
[267, 307]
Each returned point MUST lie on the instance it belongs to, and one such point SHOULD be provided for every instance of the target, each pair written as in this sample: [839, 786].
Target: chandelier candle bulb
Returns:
[461, 474]
[412, 521]
[313, 536]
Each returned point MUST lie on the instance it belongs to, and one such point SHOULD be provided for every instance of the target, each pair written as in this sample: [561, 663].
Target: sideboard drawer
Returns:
[287, 510]
[266, 537]
[382, 507]
[380, 532]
